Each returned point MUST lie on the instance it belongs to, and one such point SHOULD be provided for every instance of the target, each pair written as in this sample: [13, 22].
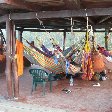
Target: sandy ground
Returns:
[83, 97]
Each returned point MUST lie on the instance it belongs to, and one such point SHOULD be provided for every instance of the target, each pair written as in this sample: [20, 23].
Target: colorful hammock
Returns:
[48, 62]
[43, 60]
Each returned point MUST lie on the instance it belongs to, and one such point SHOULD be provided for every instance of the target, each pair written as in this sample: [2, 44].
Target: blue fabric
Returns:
[49, 53]
[55, 60]
[67, 66]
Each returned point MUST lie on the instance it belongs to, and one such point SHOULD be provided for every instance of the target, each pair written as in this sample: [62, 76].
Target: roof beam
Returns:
[103, 19]
[61, 14]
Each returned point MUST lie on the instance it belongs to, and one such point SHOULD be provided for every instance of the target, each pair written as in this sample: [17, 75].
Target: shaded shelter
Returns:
[24, 15]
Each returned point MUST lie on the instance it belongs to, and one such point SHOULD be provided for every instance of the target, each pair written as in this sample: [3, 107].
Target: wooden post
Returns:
[8, 59]
[20, 35]
[64, 38]
[14, 63]
[106, 39]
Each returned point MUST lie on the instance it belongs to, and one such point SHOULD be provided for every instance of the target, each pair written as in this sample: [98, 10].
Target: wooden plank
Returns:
[59, 14]
[62, 30]
[14, 63]
[63, 13]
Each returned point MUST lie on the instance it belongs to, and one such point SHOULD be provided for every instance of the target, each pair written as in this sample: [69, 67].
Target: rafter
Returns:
[103, 19]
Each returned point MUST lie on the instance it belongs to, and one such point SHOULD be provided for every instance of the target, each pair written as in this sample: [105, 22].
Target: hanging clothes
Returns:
[19, 52]
[49, 53]
[58, 48]
[87, 65]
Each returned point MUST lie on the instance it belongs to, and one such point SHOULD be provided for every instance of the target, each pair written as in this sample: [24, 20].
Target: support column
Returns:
[64, 38]
[14, 63]
[106, 38]
[8, 59]
[20, 35]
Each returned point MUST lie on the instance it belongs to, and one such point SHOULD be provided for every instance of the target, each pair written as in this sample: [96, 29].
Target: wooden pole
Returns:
[14, 63]
[106, 39]
[64, 38]
[20, 35]
[8, 59]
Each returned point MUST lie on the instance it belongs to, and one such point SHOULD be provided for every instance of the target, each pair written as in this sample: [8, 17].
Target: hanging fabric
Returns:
[87, 65]
[19, 52]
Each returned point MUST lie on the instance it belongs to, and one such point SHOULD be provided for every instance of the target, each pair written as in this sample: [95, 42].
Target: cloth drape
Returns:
[19, 52]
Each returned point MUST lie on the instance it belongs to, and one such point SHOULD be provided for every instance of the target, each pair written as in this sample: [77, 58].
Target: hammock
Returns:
[44, 61]
[48, 62]
[68, 53]
[107, 57]
[108, 62]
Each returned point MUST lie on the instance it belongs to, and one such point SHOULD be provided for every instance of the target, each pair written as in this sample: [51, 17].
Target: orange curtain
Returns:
[19, 52]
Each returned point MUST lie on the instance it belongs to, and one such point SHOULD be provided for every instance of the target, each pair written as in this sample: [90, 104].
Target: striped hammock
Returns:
[44, 61]
[48, 62]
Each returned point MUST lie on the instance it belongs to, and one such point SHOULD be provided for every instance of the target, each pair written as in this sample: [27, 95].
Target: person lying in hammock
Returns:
[66, 63]
[67, 53]
[37, 49]
[46, 50]
[69, 68]
[55, 45]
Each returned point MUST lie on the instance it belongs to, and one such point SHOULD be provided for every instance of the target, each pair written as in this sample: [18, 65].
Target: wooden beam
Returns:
[14, 63]
[106, 38]
[63, 13]
[103, 19]
[60, 14]
[8, 59]
[20, 32]
[62, 30]
[64, 39]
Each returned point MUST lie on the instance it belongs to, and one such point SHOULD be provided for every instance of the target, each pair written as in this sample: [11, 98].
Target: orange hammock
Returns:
[98, 63]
